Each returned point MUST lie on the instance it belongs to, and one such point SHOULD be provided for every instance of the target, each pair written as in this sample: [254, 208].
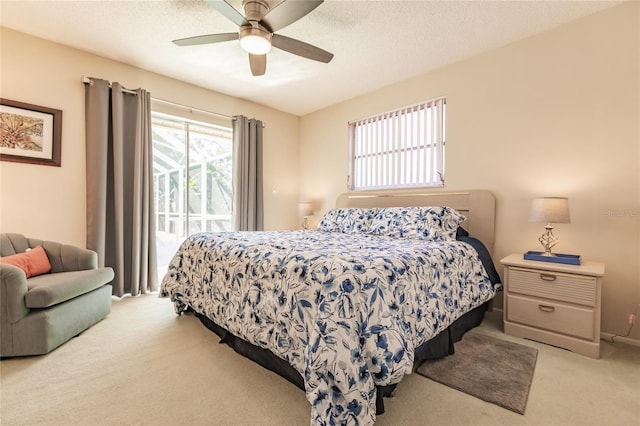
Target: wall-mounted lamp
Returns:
[549, 210]
[306, 211]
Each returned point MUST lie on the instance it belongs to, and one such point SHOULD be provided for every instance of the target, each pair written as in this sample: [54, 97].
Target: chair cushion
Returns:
[51, 289]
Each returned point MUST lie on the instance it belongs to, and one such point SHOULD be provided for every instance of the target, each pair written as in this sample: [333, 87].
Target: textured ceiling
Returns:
[375, 43]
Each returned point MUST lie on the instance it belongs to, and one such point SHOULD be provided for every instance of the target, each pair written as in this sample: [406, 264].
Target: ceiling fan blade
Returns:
[288, 12]
[206, 39]
[301, 48]
[228, 11]
[258, 64]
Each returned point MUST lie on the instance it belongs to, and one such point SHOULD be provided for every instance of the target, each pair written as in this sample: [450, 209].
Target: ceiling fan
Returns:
[257, 28]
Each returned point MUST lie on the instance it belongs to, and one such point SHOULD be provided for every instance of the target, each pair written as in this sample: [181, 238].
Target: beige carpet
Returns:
[494, 370]
[143, 365]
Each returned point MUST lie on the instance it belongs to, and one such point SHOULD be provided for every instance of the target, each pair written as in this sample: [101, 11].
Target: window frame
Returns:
[183, 204]
[388, 138]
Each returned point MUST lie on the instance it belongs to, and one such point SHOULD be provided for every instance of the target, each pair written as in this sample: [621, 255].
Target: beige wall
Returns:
[49, 202]
[555, 114]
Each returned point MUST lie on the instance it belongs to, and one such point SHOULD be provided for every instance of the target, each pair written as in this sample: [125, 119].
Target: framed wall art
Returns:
[30, 133]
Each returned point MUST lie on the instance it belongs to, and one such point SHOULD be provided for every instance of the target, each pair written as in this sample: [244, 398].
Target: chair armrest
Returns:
[13, 288]
[65, 257]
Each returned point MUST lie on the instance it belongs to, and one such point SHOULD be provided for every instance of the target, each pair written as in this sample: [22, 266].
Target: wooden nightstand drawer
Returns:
[571, 320]
[554, 285]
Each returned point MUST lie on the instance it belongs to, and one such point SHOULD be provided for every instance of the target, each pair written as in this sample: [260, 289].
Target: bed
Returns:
[346, 310]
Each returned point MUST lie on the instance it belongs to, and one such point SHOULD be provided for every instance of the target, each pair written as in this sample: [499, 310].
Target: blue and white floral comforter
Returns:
[345, 310]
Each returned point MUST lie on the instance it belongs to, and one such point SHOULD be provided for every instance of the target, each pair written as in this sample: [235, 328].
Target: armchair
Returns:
[39, 313]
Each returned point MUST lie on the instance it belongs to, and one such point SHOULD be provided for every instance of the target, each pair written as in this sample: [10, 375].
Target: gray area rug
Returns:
[491, 369]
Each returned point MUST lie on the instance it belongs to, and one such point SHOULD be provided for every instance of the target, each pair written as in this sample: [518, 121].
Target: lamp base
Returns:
[567, 259]
[548, 240]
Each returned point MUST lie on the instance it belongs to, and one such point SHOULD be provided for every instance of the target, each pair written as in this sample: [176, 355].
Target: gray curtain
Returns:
[247, 174]
[120, 216]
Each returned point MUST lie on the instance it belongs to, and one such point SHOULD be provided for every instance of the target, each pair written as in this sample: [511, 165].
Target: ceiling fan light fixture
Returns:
[255, 40]
[258, 27]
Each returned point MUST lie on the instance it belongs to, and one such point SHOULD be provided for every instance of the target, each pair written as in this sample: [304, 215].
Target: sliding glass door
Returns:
[192, 163]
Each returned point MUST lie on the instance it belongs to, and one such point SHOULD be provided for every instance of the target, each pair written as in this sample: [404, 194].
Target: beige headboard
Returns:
[479, 206]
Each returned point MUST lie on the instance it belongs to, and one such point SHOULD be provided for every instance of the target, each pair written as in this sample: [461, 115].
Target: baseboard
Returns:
[619, 339]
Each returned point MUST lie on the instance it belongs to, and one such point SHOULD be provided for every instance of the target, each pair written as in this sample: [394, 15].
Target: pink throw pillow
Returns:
[33, 262]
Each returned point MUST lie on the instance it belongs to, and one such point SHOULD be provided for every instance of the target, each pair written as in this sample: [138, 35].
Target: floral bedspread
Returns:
[345, 310]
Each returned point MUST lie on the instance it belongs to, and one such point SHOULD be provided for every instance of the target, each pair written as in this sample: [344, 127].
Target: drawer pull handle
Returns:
[546, 308]
[548, 277]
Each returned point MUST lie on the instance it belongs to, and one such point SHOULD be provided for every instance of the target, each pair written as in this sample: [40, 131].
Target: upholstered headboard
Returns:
[478, 206]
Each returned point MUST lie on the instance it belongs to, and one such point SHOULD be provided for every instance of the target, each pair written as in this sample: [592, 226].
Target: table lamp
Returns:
[549, 210]
[306, 211]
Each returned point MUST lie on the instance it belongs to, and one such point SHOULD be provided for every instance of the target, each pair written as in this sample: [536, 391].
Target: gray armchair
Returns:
[40, 313]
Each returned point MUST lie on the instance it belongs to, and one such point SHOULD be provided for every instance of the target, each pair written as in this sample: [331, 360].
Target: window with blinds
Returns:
[398, 149]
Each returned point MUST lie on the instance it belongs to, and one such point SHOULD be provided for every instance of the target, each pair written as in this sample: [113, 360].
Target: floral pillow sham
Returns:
[348, 221]
[436, 223]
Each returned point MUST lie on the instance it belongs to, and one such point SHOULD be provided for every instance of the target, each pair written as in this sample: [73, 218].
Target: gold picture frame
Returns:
[30, 133]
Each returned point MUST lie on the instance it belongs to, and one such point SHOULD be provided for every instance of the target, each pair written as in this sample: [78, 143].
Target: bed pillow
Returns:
[348, 221]
[485, 258]
[33, 262]
[461, 232]
[437, 223]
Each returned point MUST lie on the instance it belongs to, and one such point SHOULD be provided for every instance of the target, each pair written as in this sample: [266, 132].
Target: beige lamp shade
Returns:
[306, 208]
[550, 210]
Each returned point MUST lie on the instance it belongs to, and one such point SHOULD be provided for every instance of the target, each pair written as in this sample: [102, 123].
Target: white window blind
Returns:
[401, 148]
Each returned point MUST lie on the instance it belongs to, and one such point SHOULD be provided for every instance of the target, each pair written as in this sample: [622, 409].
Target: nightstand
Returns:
[554, 303]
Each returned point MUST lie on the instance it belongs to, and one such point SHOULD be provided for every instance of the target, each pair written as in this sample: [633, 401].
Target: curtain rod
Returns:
[191, 109]
[87, 80]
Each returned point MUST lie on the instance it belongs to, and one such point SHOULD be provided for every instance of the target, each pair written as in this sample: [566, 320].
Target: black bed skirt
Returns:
[439, 346]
